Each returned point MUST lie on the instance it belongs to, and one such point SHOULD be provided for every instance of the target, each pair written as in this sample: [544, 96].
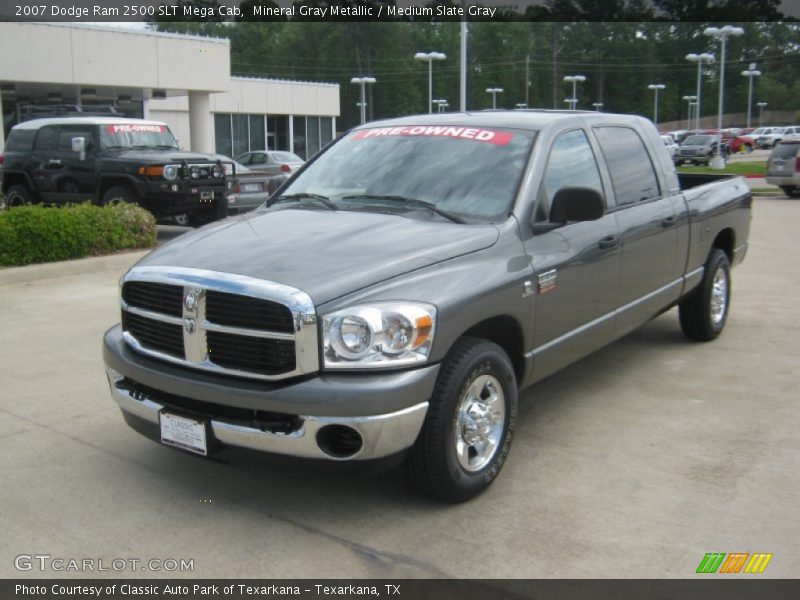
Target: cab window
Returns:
[628, 161]
[46, 138]
[571, 164]
[66, 133]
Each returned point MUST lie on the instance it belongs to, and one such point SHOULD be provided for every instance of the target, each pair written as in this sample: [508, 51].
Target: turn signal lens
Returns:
[152, 171]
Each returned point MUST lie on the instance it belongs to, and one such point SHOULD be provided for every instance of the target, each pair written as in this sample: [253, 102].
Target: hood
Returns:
[160, 156]
[324, 253]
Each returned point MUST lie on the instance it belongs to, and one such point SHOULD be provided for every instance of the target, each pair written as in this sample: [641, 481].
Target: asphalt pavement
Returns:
[634, 462]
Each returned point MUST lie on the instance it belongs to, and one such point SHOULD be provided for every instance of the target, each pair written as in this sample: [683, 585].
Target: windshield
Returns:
[138, 136]
[699, 140]
[469, 172]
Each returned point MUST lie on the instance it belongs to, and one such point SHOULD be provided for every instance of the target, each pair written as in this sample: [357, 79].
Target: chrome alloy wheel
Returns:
[479, 423]
[719, 297]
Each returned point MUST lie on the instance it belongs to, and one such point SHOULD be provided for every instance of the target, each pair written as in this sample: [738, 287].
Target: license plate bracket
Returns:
[206, 194]
[184, 433]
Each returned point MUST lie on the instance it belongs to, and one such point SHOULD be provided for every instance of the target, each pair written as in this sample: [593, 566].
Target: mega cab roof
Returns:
[533, 119]
[38, 123]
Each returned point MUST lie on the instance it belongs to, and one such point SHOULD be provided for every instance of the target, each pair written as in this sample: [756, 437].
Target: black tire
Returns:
[18, 195]
[120, 194]
[699, 313]
[792, 191]
[433, 464]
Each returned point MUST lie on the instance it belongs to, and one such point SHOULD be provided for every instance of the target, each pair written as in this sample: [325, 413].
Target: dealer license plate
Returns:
[206, 194]
[181, 432]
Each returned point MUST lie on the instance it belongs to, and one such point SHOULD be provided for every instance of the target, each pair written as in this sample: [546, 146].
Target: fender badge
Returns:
[547, 281]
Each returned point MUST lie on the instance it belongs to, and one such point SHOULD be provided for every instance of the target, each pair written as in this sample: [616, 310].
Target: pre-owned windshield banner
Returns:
[491, 136]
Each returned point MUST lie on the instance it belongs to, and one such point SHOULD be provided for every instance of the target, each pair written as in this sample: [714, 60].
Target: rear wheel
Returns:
[18, 195]
[792, 191]
[467, 432]
[704, 313]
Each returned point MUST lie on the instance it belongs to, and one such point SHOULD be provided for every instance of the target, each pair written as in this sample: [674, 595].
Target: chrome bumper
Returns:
[382, 435]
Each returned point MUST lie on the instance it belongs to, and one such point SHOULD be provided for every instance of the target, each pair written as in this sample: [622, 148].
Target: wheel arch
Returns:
[725, 241]
[506, 332]
[15, 178]
[107, 182]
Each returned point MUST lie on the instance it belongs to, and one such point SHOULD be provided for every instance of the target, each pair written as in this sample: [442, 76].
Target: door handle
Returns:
[668, 222]
[54, 162]
[608, 242]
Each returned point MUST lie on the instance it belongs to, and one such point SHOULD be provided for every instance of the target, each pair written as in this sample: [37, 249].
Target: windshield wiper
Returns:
[324, 200]
[409, 202]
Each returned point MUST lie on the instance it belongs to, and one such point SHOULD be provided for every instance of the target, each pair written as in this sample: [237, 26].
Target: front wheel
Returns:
[468, 430]
[704, 313]
[120, 194]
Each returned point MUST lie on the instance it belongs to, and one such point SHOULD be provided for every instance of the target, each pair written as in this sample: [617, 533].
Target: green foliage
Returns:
[732, 168]
[35, 234]
[619, 59]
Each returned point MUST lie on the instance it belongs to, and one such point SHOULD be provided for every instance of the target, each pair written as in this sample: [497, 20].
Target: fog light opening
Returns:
[339, 441]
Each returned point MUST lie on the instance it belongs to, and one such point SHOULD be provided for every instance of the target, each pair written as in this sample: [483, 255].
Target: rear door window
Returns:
[67, 132]
[46, 138]
[629, 164]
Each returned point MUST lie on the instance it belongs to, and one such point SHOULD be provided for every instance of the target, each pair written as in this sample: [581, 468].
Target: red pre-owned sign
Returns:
[491, 136]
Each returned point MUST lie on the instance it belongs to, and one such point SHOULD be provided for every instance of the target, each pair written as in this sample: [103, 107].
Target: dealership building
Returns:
[182, 80]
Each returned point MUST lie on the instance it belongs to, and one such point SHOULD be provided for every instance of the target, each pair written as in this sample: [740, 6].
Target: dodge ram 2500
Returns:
[391, 299]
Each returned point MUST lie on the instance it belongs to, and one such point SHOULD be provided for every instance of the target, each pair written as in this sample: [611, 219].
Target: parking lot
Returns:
[634, 462]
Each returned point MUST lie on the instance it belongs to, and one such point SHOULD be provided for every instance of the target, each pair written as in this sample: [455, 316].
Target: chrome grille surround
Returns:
[195, 283]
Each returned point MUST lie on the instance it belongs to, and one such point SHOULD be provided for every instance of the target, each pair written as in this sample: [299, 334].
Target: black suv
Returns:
[111, 159]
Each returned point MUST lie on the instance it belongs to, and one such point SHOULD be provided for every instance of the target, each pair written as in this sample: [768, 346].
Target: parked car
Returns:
[273, 162]
[391, 302]
[246, 189]
[791, 132]
[669, 143]
[783, 167]
[770, 137]
[697, 149]
[111, 159]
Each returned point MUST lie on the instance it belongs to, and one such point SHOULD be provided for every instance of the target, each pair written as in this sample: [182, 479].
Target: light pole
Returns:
[597, 106]
[699, 59]
[520, 105]
[691, 101]
[362, 81]
[494, 91]
[760, 106]
[721, 34]
[750, 74]
[655, 87]
[570, 102]
[429, 57]
[441, 104]
[574, 79]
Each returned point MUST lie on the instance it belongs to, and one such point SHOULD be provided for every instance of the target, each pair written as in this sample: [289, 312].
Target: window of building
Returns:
[258, 140]
[299, 134]
[223, 138]
[241, 134]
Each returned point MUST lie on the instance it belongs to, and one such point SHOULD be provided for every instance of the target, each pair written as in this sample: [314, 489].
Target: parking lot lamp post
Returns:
[362, 81]
[655, 87]
[699, 59]
[520, 105]
[721, 34]
[574, 79]
[570, 103]
[760, 106]
[597, 106]
[440, 104]
[691, 102]
[429, 57]
[750, 73]
[494, 91]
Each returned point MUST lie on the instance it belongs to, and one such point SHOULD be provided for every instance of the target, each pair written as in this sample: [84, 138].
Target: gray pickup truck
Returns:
[392, 298]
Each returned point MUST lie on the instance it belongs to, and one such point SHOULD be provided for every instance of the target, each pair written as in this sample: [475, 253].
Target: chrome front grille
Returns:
[220, 322]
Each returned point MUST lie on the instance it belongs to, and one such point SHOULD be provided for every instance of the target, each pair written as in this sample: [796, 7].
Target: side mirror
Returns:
[577, 204]
[79, 146]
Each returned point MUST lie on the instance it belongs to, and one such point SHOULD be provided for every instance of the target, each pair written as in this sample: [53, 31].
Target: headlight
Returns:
[195, 172]
[383, 334]
[217, 172]
[170, 172]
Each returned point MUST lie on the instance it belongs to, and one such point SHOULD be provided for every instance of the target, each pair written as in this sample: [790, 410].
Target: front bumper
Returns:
[386, 411]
